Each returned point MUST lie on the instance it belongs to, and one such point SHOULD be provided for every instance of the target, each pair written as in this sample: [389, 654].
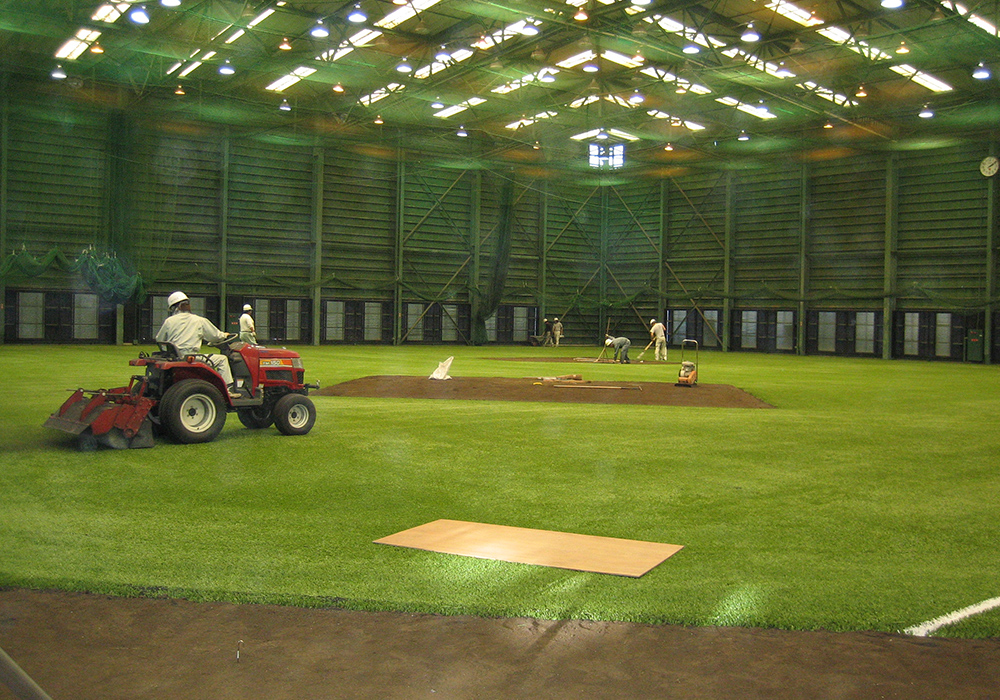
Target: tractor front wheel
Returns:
[193, 411]
[294, 414]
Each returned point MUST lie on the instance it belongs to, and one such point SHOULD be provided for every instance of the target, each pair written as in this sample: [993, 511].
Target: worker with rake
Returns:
[658, 333]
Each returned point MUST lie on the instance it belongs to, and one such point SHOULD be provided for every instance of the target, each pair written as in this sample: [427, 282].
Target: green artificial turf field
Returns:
[867, 500]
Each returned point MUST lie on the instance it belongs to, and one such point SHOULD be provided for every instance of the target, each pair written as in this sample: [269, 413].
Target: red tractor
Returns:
[187, 399]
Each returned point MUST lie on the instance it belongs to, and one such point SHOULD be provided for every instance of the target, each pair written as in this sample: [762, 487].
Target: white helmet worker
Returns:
[609, 340]
[247, 307]
[175, 299]
[652, 321]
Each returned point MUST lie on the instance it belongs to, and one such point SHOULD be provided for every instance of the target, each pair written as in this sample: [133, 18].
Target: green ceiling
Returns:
[803, 73]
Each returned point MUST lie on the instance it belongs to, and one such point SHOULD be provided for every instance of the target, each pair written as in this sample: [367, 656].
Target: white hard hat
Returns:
[652, 321]
[609, 341]
[176, 298]
[247, 307]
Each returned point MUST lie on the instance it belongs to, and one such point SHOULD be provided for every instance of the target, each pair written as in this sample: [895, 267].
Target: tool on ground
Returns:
[646, 348]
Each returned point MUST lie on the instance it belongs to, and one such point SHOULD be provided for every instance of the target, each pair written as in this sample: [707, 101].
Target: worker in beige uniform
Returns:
[557, 331]
[248, 329]
[187, 331]
[658, 333]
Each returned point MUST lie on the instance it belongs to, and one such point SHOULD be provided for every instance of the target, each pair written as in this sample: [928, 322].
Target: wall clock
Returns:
[989, 166]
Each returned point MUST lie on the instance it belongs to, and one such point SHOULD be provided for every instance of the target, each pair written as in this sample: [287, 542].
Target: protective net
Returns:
[104, 273]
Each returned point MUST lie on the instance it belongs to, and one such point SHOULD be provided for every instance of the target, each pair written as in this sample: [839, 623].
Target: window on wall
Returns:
[942, 335]
[491, 328]
[678, 326]
[373, 320]
[826, 331]
[30, 316]
[262, 318]
[520, 324]
[85, 308]
[449, 323]
[414, 322]
[864, 332]
[785, 330]
[710, 338]
[293, 319]
[748, 332]
[911, 333]
[334, 320]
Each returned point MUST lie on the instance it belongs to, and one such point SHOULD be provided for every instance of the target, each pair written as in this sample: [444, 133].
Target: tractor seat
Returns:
[167, 351]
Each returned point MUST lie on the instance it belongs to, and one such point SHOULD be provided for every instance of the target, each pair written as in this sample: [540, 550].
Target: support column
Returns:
[319, 168]
[727, 269]
[4, 166]
[224, 233]
[397, 292]
[890, 256]
[990, 264]
[804, 221]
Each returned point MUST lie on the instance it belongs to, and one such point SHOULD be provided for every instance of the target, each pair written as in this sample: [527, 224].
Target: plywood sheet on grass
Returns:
[563, 550]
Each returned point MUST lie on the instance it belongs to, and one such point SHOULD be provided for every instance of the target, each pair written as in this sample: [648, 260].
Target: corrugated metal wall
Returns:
[344, 244]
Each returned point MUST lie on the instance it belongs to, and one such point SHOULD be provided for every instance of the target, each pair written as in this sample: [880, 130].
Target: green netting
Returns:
[485, 304]
[104, 273]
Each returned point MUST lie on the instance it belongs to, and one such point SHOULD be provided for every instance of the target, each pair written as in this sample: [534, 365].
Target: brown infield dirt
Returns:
[83, 646]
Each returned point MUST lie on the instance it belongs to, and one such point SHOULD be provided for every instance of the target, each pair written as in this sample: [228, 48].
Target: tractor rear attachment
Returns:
[117, 418]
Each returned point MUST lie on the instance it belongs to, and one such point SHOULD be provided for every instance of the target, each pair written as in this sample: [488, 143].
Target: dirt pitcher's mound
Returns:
[536, 389]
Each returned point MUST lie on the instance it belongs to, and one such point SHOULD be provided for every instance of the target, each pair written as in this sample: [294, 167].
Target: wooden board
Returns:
[564, 550]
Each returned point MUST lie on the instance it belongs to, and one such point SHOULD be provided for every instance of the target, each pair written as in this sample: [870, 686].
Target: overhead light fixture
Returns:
[529, 28]
[744, 136]
[691, 49]
[590, 67]
[404, 66]
[668, 147]
[750, 34]
[437, 103]
[357, 15]
[139, 15]
[319, 30]
[179, 90]
[227, 68]
[537, 54]
[642, 3]
[284, 45]
[797, 46]
[58, 73]
[860, 92]
[378, 119]
[442, 55]
[338, 87]
[546, 77]
[461, 132]
[581, 15]
[892, 4]
[926, 112]
[284, 106]
[170, 3]
[602, 135]
[828, 125]
[636, 97]
[96, 48]
[903, 48]
[981, 72]
[536, 146]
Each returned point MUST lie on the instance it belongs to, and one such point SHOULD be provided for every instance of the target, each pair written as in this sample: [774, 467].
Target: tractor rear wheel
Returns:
[294, 414]
[193, 411]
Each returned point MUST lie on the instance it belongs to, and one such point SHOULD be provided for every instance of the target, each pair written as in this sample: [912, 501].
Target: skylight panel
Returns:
[583, 101]
[622, 59]
[77, 45]
[187, 71]
[457, 56]
[971, 17]
[381, 93]
[668, 77]
[528, 121]
[108, 13]
[290, 79]
[235, 35]
[846, 39]
[616, 133]
[758, 111]
[260, 18]
[578, 59]
[407, 11]
[461, 107]
[827, 93]
[675, 121]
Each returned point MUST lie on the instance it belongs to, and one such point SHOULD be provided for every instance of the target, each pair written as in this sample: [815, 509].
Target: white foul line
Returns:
[926, 628]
